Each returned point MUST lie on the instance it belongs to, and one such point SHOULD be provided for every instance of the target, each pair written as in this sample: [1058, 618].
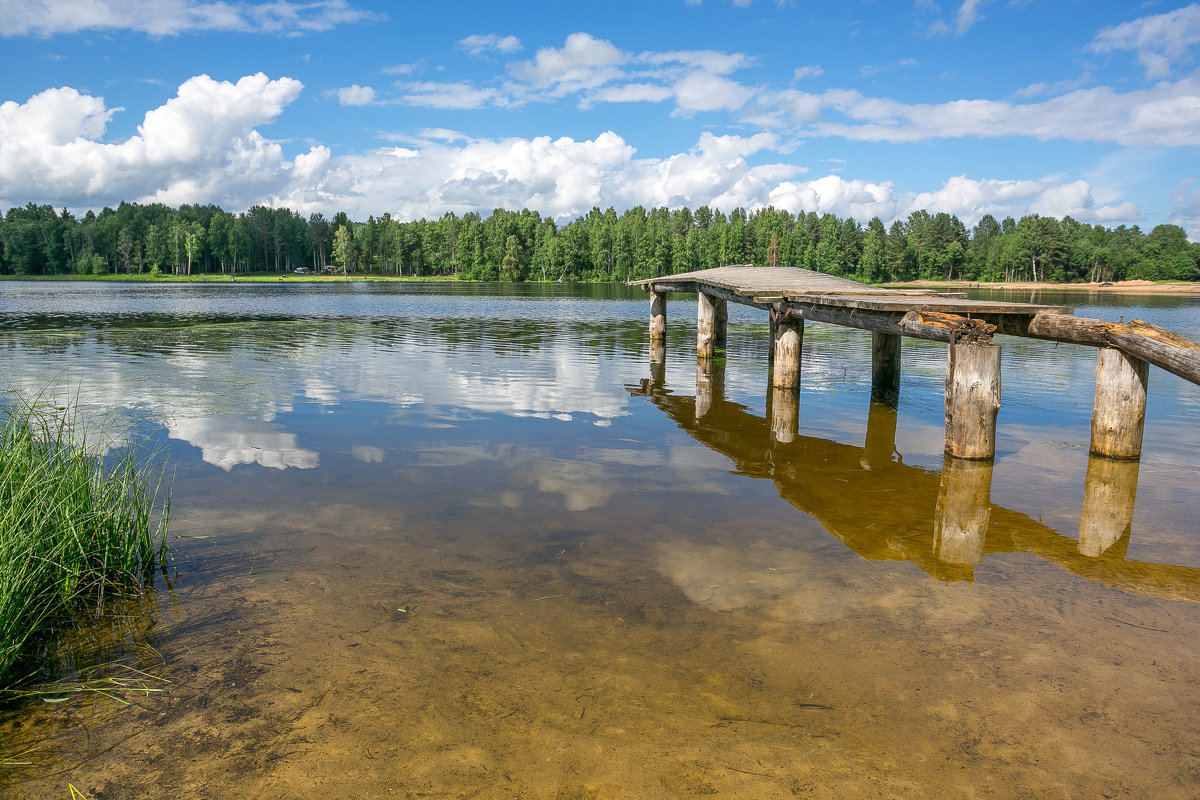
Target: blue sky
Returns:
[858, 108]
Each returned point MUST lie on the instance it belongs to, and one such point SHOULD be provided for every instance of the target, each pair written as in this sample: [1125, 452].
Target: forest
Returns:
[155, 239]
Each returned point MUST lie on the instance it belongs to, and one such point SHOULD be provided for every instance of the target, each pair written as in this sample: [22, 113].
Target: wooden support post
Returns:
[885, 368]
[712, 314]
[972, 400]
[964, 507]
[658, 317]
[789, 342]
[784, 412]
[1119, 413]
[1108, 497]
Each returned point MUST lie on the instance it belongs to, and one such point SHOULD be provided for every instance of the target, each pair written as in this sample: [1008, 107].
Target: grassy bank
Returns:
[252, 277]
[76, 527]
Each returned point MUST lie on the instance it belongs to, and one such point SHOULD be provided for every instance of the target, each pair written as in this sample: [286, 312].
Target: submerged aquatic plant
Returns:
[77, 524]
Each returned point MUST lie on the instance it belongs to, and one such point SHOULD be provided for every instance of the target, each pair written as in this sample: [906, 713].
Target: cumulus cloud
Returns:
[478, 44]
[200, 145]
[174, 17]
[808, 71]
[203, 146]
[968, 199]
[1161, 41]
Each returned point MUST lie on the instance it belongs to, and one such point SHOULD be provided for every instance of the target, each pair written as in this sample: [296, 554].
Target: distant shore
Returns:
[255, 277]
[1115, 287]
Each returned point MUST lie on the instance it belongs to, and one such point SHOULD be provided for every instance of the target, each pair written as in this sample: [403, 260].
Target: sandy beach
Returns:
[1116, 287]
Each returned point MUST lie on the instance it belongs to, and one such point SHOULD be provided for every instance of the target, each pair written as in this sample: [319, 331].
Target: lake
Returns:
[468, 541]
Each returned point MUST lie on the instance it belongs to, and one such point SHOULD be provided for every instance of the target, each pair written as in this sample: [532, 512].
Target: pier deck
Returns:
[791, 295]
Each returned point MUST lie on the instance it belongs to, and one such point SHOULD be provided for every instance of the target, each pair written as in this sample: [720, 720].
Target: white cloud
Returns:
[1162, 41]
[968, 15]
[1185, 207]
[583, 62]
[1058, 87]
[202, 146]
[628, 93]
[964, 197]
[1165, 115]
[714, 61]
[702, 91]
[174, 17]
[971, 199]
[478, 44]
[809, 71]
[598, 72]
[404, 69]
[199, 146]
[355, 95]
[560, 177]
[430, 94]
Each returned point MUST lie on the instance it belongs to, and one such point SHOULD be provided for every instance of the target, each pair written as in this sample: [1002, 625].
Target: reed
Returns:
[77, 524]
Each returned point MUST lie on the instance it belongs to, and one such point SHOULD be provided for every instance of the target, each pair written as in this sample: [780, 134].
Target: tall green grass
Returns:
[77, 525]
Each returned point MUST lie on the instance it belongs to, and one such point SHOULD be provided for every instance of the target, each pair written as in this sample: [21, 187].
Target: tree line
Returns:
[599, 246]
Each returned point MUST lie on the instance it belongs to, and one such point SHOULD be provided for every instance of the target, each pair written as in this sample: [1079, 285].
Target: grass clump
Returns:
[77, 525]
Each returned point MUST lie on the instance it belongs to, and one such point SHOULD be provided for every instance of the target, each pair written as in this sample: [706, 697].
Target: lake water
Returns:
[468, 541]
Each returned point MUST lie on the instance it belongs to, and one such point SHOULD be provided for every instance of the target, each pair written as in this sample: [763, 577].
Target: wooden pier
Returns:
[791, 296]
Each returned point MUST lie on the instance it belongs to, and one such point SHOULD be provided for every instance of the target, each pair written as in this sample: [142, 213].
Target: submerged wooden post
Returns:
[964, 507]
[1119, 413]
[789, 341]
[658, 317]
[1110, 489]
[972, 400]
[885, 368]
[783, 407]
[712, 314]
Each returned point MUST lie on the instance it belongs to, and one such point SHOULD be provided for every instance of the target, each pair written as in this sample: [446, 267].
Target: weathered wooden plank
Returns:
[947, 304]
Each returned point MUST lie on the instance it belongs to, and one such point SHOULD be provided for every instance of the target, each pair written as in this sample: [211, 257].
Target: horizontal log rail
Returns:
[1152, 344]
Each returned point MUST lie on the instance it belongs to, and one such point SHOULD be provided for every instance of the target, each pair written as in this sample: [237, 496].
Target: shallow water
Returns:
[447, 541]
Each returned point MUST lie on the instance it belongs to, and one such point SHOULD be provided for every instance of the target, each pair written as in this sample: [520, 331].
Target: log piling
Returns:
[792, 296]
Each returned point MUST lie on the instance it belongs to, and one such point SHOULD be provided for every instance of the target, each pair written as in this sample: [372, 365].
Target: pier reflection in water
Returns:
[883, 509]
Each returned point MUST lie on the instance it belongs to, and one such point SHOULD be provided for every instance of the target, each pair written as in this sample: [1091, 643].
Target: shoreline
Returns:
[1116, 287]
